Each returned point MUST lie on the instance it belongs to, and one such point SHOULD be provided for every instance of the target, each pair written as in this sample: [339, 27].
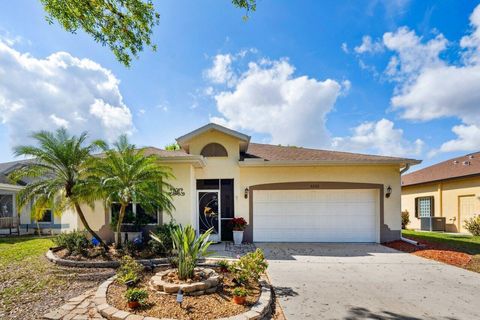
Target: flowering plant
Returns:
[239, 224]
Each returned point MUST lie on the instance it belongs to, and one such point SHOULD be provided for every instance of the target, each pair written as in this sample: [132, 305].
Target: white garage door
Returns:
[315, 215]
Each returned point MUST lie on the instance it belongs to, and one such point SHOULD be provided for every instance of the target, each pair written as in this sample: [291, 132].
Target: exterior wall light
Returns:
[246, 193]
[389, 192]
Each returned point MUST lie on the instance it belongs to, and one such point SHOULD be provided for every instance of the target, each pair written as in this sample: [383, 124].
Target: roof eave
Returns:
[288, 163]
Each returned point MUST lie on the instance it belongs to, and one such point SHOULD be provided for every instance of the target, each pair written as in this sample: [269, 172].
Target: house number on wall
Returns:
[315, 186]
[177, 192]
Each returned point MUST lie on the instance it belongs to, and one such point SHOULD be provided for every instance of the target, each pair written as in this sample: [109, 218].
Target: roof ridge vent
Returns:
[466, 163]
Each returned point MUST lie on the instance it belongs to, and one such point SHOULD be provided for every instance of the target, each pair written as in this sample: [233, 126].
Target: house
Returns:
[449, 189]
[286, 194]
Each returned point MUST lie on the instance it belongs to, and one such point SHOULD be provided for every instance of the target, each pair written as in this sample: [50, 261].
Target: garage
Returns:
[341, 215]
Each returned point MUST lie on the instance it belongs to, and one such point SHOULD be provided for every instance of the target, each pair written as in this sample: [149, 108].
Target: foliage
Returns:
[456, 242]
[240, 292]
[189, 249]
[473, 225]
[129, 271]
[57, 173]
[135, 294]
[125, 26]
[223, 264]
[172, 146]
[238, 224]
[405, 219]
[125, 175]
[75, 242]
[163, 243]
[249, 267]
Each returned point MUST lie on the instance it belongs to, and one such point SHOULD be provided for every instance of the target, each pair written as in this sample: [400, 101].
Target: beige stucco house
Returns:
[450, 189]
[287, 194]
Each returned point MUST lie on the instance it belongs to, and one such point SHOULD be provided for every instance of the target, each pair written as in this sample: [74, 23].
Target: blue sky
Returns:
[385, 77]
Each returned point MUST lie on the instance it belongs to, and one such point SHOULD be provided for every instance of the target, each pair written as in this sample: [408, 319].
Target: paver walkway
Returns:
[78, 308]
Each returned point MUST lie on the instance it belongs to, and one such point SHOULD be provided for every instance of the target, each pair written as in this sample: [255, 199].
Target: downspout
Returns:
[405, 169]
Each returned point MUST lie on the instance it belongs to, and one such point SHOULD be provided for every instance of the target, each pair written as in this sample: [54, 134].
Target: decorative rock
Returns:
[170, 288]
[162, 282]
[120, 315]
[135, 317]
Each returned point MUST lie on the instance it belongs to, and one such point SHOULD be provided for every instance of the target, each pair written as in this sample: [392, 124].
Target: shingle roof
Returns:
[283, 153]
[463, 166]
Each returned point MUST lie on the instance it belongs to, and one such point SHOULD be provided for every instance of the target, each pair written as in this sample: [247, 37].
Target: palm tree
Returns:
[125, 174]
[57, 173]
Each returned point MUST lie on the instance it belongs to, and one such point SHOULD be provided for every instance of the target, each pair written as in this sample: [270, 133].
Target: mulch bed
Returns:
[434, 251]
[98, 254]
[209, 306]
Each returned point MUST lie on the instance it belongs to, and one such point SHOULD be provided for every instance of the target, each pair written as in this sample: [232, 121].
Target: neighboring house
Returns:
[449, 189]
[286, 194]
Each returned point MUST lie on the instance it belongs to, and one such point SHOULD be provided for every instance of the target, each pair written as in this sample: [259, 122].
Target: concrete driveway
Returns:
[368, 281]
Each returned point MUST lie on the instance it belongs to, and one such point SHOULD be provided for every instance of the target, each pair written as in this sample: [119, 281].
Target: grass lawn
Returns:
[29, 283]
[455, 242]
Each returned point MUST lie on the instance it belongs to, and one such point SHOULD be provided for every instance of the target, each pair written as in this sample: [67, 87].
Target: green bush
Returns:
[75, 242]
[134, 294]
[240, 292]
[188, 248]
[129, 271]
[163, 244]
[473, 225]
[249, 267]
[405, 219]
[223, 264]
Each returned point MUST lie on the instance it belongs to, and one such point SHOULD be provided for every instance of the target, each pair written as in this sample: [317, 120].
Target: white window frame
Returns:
[134, 209]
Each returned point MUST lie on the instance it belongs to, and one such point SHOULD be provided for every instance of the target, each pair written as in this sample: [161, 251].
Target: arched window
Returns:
[214, 150]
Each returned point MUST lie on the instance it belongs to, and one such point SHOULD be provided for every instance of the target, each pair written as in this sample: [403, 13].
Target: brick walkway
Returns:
[78, 308]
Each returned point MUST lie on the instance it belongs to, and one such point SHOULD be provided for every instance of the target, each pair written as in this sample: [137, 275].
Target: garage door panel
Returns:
[315, 215]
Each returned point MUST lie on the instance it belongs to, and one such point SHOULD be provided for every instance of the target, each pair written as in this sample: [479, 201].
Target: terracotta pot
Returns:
[133, 304]
[239, 300]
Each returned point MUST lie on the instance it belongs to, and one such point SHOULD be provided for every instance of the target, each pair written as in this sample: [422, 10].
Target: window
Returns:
[214, 150]
[424, 207]
[134, 214]
[47, 216]
[6, 205]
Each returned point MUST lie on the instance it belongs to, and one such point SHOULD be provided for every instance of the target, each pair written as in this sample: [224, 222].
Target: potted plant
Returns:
[135, 297]
[239, 225]
[239, 295]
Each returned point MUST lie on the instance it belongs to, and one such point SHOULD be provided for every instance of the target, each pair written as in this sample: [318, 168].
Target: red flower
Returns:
[238, 224]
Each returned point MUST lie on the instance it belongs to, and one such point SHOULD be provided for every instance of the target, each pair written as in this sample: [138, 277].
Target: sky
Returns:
[396, 77]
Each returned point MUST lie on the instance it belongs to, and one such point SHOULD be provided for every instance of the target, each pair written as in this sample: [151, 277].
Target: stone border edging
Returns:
[258, 311]
[115, 264]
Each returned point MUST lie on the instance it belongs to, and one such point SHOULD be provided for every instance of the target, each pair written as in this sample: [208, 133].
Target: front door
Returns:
[209, 214]
[466, 210]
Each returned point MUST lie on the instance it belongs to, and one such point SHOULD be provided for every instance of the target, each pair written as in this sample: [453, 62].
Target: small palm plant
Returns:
[189, 249]
[125, 174]
[57, 173]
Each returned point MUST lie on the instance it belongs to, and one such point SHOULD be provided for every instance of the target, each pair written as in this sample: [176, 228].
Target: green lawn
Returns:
[24, 271]
[462, 243]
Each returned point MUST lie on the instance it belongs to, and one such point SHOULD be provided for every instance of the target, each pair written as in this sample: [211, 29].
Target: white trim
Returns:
[197, 161]
[219, 205]
[306, 163]
[10, 187]
[213, 126]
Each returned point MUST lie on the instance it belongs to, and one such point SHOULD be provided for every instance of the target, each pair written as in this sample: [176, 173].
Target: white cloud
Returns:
[429, 87]
[345, 47]
[221, 70]
[379, 138]
[369, 46]
[60, 90]
[268, 98]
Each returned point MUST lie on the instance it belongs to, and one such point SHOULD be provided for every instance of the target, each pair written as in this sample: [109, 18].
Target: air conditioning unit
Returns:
[432, 223]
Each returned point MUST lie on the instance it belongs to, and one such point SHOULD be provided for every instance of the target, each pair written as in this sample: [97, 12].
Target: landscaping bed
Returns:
[458, 250]
[207, 306]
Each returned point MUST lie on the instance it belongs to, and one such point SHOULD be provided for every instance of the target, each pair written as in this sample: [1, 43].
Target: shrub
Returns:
[249, 267]
[473, 225]
[223, 264]
[134, 294]
[163, 243]
[405, 219]
[75, 242]
[129, 271]
[240, 292]
[189, 248]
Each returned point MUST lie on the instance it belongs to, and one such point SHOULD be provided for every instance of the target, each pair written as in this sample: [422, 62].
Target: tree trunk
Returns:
[121, 214]
[86, 225]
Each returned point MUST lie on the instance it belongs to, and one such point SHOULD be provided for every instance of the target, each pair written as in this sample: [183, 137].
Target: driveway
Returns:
[368, 281]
